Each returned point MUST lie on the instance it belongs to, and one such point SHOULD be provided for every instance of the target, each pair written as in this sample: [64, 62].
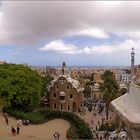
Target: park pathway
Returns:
[34, 132]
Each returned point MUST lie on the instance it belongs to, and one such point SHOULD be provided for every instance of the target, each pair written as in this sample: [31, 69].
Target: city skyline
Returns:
[80, 33]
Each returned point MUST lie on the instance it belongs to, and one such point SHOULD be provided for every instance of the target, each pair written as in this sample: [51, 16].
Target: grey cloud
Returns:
[28, 22]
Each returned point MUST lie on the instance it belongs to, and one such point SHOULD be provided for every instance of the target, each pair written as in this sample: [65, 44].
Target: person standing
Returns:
[13, 130]
[6, 118]
[18, 128]
[56, 136]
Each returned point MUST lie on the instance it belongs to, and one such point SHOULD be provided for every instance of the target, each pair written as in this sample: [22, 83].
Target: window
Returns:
[54, 95]
[62, 98]
[68, 107]
[54, 105]
[81, 104]
[56, 87]
[71, 96]
[67, 87]
[61, 107]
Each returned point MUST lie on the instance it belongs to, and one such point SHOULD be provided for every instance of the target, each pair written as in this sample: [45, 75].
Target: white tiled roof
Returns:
[129, 105]
[75, 83]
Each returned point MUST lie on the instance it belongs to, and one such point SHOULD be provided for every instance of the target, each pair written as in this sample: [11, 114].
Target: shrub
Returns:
[72, 132]
[33, 117]
[105, 127]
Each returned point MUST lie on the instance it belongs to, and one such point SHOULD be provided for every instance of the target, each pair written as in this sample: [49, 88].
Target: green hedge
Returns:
[44, 114]
[33, 117]
[72, 132]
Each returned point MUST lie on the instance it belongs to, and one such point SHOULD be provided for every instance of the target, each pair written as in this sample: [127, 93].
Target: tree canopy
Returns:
[20, 86]
[107, 74]
[109, 87]
[46, 82]
[87, 91]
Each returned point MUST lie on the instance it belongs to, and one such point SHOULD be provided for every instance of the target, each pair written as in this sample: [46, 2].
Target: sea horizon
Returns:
[76, 66]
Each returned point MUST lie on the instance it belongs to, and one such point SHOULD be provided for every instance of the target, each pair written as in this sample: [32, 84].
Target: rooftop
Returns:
[128, 105]
[75, 83]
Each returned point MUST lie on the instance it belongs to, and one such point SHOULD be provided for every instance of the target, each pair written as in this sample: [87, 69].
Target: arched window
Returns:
[61, 107]
[71, 96]
[68, 107]
[62, 96]
[54, 95]
[54, 105]
[68, 87]
[57, 87]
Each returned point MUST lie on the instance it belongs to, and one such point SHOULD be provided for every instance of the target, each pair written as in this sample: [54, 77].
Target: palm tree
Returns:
[87, 91]
[110, 88]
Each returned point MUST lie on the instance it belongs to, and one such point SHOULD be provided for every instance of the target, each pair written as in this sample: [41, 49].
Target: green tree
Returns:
[87, 91]
[46, 82]
[110, 88]
[20, 87]
[107, 74]
[92, 77]
[90, 83]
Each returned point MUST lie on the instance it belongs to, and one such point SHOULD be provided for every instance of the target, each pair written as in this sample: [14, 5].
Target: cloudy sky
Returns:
[81, 33]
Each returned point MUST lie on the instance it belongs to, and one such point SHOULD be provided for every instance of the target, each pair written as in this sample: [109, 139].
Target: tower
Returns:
[63, 68]
[132, 68]
[132, 63]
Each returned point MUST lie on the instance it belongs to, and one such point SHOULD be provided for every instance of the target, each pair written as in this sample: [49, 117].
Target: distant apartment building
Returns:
[74, 72]
[138, 71]
[95, 92]
[98, 76]
[123, 77]
[66, 94]
[39, 70]
[50, 70]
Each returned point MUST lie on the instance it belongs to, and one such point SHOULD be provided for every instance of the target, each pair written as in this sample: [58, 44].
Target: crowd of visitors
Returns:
[94, 113]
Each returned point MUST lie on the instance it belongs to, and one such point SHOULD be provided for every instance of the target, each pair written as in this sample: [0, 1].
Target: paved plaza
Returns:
[45, 131]
[94, 119]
